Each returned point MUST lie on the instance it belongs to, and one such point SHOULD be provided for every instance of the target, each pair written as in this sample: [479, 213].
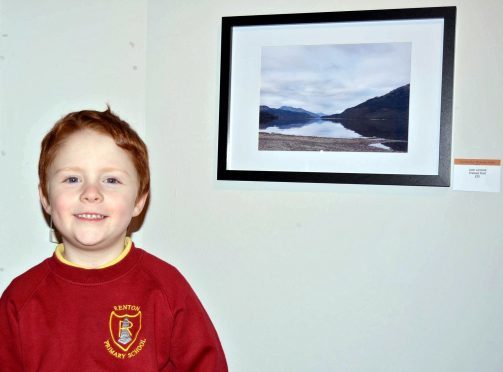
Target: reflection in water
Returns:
[389, 135]
[315, 128]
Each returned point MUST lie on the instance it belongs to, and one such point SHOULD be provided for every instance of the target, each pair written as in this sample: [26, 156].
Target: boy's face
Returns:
[92, 192]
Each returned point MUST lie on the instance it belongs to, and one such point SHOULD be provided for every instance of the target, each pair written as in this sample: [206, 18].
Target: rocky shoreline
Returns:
[281, 142]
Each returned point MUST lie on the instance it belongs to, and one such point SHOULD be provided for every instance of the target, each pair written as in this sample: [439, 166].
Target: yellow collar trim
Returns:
[60, 249]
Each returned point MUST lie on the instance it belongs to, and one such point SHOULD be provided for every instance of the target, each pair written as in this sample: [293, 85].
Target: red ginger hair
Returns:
[104, 122]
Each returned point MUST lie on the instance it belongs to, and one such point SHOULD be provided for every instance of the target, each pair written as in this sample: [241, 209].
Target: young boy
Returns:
[99, 303]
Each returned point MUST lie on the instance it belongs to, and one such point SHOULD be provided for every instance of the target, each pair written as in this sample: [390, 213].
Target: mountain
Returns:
[268, 115]
[297, 109]
[388, 106]
[386, 116]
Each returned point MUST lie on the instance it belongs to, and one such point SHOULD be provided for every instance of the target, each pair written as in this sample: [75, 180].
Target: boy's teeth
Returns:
[91, 216]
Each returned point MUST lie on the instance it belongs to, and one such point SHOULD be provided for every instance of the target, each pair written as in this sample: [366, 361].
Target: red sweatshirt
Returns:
[138, 315]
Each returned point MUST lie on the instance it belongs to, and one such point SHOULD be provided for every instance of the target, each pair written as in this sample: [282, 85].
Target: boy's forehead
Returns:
[91, 147]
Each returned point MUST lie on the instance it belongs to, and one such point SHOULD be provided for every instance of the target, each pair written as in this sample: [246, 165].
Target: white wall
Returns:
[56, 57]
[296, 277]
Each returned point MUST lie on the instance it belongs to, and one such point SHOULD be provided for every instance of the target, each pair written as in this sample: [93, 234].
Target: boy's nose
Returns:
[91, 194]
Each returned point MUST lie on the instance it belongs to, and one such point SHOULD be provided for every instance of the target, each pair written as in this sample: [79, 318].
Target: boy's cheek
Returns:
[61, 202]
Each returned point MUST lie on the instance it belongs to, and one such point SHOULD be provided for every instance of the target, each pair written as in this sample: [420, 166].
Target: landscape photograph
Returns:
[341, 97]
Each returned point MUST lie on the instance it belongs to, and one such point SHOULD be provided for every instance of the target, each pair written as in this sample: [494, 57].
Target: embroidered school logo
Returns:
[124, 329]
[124, 325]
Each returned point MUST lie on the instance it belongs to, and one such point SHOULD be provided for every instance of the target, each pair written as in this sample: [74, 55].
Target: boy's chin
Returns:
[93, 243]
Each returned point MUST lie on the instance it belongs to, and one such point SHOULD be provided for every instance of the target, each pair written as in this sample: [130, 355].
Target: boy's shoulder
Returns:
[23, 286]
[157, 267]
[164, 273]
[168, 280]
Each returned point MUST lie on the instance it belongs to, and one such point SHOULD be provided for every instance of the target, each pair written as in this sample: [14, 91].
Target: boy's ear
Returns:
[44, 201]
[140, 203]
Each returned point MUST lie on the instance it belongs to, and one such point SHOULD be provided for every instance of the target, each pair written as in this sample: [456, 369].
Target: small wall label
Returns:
[477, 175]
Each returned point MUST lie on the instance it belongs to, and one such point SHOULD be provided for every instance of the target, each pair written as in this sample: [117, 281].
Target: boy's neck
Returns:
[92, 259]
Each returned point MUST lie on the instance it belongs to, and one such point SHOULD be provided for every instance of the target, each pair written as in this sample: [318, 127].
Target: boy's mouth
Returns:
[90, 216]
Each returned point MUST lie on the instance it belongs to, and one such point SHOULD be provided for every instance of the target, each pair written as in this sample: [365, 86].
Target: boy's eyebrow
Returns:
[112, 169]
[78, 169]
[68, 169]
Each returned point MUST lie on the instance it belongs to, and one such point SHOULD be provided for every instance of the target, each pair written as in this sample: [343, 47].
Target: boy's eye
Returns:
[71, 179]
[112, 180]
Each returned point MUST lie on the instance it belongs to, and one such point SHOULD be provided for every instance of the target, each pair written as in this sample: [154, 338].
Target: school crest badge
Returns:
[124, 329]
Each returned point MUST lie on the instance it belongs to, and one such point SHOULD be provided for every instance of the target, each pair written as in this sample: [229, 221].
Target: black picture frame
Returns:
[443, 19]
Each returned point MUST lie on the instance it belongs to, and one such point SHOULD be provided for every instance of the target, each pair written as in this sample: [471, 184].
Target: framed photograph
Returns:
[361, 97]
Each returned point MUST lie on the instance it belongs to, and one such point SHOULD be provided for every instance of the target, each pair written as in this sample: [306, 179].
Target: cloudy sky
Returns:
[330, 78]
